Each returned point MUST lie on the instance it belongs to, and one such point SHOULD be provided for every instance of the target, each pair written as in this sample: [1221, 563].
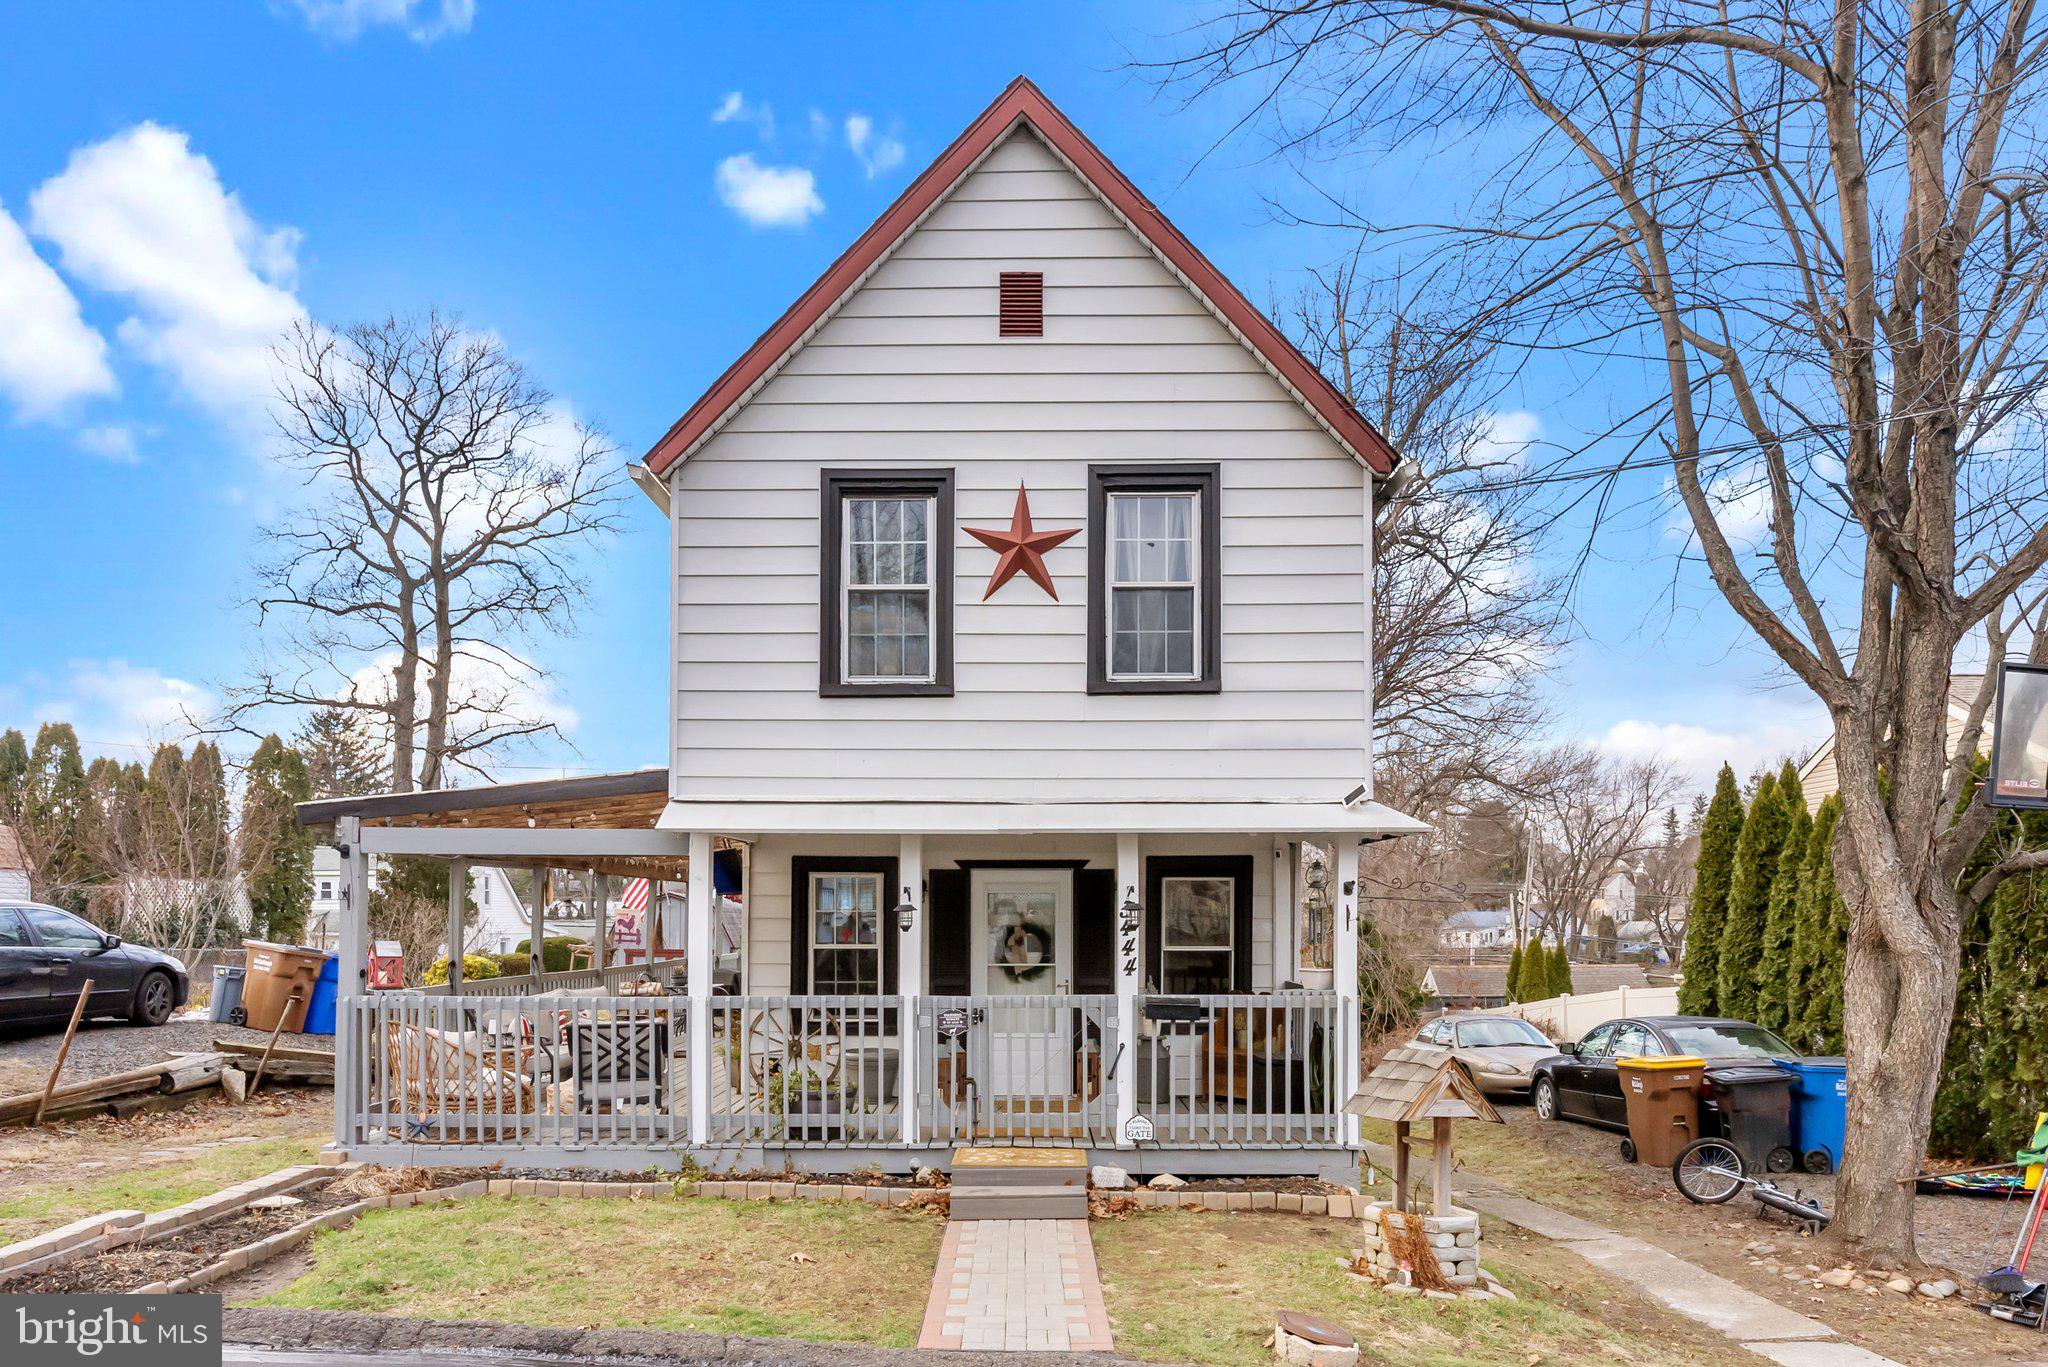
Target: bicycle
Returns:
[1708, 1172]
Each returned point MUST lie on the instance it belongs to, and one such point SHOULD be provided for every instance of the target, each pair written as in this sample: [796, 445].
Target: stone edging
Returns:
[116, 1229]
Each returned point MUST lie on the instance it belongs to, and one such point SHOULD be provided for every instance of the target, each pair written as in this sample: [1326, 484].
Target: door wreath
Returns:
[1027, 950]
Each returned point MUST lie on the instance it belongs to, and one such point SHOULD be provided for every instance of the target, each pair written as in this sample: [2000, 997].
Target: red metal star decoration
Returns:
[1021, 548]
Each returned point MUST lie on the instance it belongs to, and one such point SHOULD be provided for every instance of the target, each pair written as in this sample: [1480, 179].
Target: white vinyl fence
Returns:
[1568, 1017]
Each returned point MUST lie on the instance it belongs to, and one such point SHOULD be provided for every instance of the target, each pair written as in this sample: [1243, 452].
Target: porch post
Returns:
[537, 920]
[458, 895]
[697, 957]
[1130, 981]
[909, 976]
[1286, 910]
[354, 975]
[600, 910]
[1345, 978]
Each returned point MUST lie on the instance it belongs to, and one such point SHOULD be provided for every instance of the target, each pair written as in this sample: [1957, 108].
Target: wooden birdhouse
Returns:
[1413, 1083]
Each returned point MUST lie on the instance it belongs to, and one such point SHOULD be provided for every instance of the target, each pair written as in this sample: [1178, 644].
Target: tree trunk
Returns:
[1897, 1010]
[405, 697]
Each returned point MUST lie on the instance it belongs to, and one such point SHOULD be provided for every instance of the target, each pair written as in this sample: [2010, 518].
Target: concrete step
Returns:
[1018, 1203]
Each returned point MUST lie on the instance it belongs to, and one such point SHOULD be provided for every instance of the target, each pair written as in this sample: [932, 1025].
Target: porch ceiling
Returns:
[600, 802]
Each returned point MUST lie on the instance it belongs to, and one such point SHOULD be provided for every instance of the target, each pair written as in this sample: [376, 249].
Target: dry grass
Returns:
[1191, 1287]
[806, 1270]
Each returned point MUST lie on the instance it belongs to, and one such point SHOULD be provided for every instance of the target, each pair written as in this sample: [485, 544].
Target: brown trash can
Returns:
[1663, 1096]
[275, 974]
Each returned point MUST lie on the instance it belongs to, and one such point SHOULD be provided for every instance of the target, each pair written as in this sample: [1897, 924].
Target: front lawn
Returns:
[61, 1194]
[807, 1270]
[1184, 1286]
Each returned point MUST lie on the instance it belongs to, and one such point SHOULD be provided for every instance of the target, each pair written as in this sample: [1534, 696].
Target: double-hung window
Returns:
[846, 934]
[1153, 579]
[886, 618]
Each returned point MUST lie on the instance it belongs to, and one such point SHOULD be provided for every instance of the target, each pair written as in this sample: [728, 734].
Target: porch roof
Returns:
[867, 816]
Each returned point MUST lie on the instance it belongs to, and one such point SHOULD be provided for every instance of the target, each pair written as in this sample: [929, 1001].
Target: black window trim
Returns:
[1203, 479]
[834, 487]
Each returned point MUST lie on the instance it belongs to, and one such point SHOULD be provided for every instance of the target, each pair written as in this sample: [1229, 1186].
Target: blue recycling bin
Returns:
[320, 1006]
[1820, 1110]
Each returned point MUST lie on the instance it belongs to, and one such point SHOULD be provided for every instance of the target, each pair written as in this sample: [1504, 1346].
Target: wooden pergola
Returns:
[1417, 1082]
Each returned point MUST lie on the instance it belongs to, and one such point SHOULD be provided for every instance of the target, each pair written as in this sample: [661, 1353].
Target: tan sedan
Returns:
[1500, 1051]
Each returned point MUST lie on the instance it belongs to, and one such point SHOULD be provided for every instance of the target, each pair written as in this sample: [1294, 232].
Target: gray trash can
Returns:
[226, 1006]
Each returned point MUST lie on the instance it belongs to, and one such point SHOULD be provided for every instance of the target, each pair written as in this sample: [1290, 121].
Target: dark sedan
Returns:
[1584, 1084]
[47, 955]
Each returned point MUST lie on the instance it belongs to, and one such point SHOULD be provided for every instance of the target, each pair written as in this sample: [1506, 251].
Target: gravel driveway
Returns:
[103, 1047]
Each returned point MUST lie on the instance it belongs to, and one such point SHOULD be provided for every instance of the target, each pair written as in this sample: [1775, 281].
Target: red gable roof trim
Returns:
[1022, 101]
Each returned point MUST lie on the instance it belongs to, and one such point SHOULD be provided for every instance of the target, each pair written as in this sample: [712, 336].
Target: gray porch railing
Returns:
[1240, 1071]
[1017, 1069]
[814, 1071]
[527, 985]
[589, 1072]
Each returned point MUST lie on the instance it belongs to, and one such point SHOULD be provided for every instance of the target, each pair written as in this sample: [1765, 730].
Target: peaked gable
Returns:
[1023, 103]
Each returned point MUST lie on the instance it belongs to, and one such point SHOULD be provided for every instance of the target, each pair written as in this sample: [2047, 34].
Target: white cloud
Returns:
[1505, 438]
[116, 444]
[145, 217]
[821, 127]
[1741, 499]
[424, 21]
[734, 108]
[114, 703]
[1698, 752]
[49, 357]
[768, 196]
[875, 154]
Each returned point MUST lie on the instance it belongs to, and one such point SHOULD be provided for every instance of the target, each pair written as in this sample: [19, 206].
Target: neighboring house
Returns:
[1479, 987]
[498, 922]
[1477, 930]
[13, 866]
[1020, 579]
[1641, 940]
[1817, 778]
[1616, 899]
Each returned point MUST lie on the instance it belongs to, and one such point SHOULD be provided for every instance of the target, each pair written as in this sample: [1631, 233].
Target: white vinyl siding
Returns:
[910, 373]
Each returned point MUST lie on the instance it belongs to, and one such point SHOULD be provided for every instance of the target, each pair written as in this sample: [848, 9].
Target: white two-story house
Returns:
[1021, 620]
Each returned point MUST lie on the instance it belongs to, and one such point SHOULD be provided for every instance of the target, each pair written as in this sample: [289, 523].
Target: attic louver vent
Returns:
[1021, 304]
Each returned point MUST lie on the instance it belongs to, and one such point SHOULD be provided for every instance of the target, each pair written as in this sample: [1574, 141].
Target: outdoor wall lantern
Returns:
[2019, 737]
[906, 913]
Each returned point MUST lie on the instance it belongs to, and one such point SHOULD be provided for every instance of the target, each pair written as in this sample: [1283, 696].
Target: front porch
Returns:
[1006, 988]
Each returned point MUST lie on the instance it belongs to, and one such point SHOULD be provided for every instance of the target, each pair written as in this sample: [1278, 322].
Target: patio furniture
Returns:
[429, 1075]
[618, 1063]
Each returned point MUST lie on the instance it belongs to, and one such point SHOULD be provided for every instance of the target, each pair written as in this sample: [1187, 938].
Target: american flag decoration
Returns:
[635, 898]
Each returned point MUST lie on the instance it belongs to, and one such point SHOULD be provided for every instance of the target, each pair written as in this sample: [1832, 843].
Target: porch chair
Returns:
[429, 1074]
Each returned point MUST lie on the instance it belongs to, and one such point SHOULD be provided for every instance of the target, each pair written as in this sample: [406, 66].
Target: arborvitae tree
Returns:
[207, 819]
[1560, 972]
[1719, 831]
[1775, 968]
[1961, 1124]
[1749, 895]
[1515, 975]
[163, 815]
[1531, 978]
[13, 772]
[1825, 961]
[2013, 1053]
[275, 852]
[52, 797]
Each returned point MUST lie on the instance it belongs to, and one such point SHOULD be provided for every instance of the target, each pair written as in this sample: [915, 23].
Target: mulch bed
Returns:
[180, 1254]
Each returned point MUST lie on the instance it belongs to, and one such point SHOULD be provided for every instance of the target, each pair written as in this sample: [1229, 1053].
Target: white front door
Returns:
[1023, 938]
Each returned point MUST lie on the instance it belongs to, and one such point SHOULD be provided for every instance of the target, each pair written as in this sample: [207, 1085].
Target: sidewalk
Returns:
[1758, 1323]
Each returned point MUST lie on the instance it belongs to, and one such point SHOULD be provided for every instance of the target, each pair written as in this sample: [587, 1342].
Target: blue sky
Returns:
[176, 179]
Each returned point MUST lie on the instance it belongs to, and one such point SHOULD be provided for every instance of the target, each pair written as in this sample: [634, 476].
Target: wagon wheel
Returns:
[772, 1040]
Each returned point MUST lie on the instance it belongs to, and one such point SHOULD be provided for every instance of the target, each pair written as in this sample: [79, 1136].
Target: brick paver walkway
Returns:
[1016, 1285]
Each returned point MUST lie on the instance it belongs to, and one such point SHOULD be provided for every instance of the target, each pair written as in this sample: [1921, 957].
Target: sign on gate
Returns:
[952, 1022]
[1138, 1130]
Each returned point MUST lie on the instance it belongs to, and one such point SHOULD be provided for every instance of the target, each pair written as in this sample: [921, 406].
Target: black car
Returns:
[1583, 1083]
[46, 956]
